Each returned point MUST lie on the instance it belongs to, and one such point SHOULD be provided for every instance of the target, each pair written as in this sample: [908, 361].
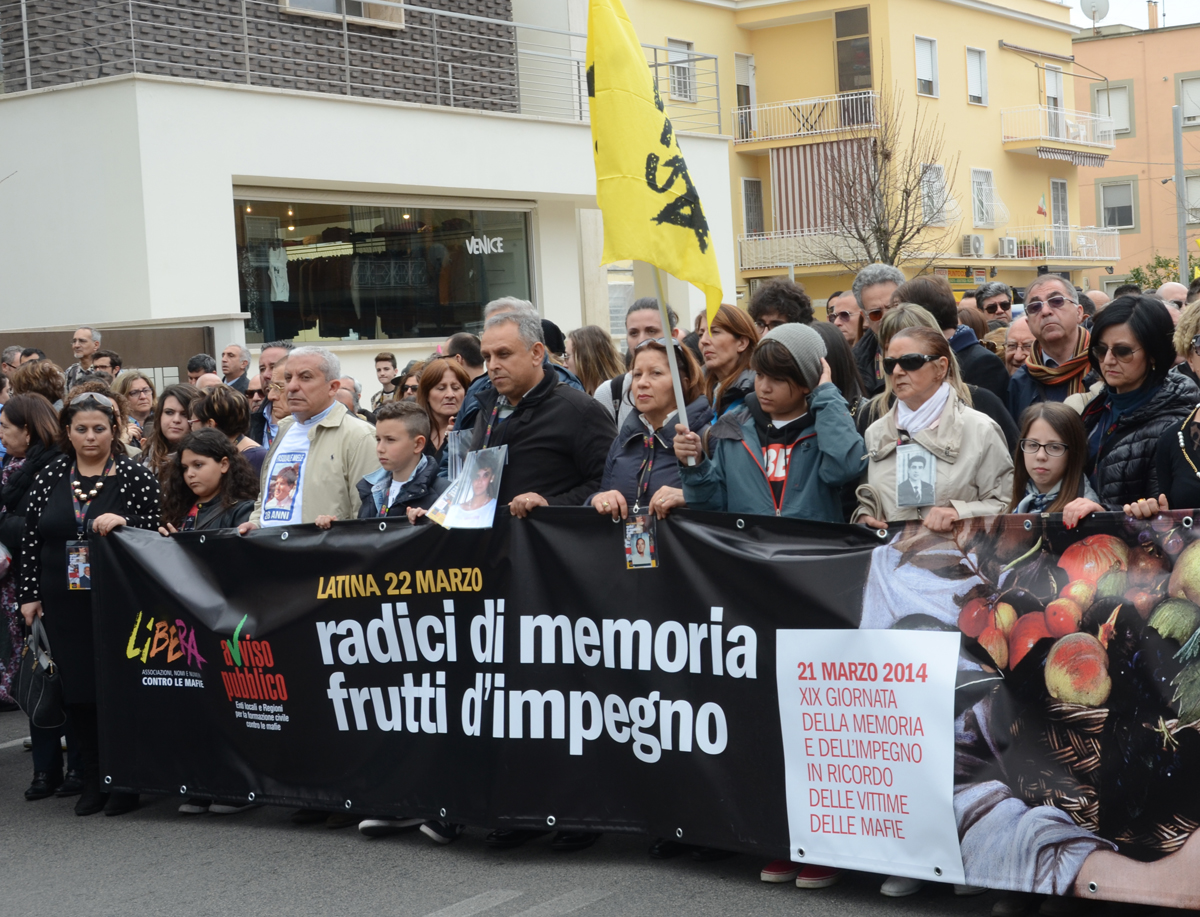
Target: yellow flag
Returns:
[651, 208]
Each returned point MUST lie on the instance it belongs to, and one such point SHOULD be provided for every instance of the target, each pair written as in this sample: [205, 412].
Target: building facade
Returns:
[1143, 73]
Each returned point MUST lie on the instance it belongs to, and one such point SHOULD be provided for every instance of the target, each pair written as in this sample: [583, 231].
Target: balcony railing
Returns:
[1066, 243]
[1061, 125]
[381, 49]
[805, 117]
[804, 247]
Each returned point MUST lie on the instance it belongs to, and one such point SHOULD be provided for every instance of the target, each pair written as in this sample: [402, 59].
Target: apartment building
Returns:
[1141, 74]
[812, 78]
[363, 174]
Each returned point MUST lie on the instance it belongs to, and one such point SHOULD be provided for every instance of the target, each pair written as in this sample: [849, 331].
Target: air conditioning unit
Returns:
[1008, 247]
[972, 246]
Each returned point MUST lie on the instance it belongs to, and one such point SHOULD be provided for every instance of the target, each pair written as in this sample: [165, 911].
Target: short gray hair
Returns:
[355, 389]
[529, 327]
[872, 274]
[508, 304]
[9, 353]
[90, 330]
[1066, 285]
[243, 353]
[990, 289]
[331, 366]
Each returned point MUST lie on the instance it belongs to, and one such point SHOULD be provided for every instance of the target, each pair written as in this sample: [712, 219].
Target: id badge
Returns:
[79, 568]
[641, 547]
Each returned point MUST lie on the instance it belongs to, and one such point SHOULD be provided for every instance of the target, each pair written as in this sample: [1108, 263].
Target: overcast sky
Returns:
[1133, 12]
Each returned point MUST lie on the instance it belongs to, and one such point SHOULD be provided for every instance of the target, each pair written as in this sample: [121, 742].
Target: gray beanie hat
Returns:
[805, 346]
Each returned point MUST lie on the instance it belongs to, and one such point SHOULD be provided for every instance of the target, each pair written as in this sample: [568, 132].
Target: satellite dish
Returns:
[1095, 10]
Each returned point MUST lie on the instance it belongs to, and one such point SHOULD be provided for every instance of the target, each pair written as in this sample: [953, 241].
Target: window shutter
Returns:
[741, 68]
[925, 60]
[975, 69]
[1189, 91]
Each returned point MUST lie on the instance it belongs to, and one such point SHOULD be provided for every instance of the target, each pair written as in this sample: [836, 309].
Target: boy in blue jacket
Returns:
[789, 449]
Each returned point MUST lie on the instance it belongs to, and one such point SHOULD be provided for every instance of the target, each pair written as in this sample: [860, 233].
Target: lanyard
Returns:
[643, 484]
[487, 436]
[81, 510]
[189, 521]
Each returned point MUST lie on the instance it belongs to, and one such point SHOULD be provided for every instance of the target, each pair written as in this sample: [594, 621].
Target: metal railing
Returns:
[805, 117]
[1043, 122]
[1066, 243]
[378, 49]
[802, 247]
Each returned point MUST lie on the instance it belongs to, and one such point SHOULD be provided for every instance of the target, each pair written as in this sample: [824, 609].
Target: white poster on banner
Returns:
[868, 741]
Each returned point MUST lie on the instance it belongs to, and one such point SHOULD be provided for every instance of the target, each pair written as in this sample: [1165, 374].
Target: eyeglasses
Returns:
[910, 362]
[254, 393]
[1122, 353]
[93, 396]
[410, 389]
[838, 317]
[193, 422]
[277, 386]
[996, 307]
[875, 314]
[1054, 302]
[768, 326]
[1177, 303]
[139, 392]
[1014, 346]
[1032, 446]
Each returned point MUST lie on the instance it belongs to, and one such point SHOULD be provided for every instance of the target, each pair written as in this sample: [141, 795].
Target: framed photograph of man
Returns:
[916, 476]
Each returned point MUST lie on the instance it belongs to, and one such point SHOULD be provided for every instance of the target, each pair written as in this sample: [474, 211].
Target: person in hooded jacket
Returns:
[641, 472]
[789, 449]
[1131, 348]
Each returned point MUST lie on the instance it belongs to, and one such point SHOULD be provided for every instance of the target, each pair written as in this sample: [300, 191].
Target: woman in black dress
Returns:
[91, 489]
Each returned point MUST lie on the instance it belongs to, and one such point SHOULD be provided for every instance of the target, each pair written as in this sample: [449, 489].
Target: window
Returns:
[743, 66]
[355, 9]
[987, 210]
[682, 70]
[976, 76]
[1193, 198]
[1114, 103]
[752, 206]
[933, 194]
[851, 28]
[349, 271]
[1116, 205]
[927, 84]
[1189, 98]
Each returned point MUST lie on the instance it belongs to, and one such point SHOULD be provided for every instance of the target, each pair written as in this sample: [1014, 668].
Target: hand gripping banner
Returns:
[1015, 705]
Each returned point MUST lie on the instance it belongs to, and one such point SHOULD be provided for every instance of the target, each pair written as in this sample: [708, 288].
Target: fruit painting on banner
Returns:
[1077, 709]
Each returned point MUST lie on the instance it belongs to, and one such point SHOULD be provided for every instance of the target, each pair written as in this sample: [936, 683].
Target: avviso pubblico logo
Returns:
[251, 684]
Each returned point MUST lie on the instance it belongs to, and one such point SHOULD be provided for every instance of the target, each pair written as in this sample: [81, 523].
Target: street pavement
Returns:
[156, 862]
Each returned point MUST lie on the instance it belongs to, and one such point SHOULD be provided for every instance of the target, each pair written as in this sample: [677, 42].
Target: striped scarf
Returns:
[1070, 373]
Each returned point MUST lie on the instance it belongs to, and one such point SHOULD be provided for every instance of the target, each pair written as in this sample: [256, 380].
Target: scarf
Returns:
[1071, 373]
[926, 415]
[1036, 502]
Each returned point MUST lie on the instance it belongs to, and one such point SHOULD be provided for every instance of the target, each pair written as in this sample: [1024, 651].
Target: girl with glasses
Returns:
[138, 390]
[1132, 349]
[1049, 465]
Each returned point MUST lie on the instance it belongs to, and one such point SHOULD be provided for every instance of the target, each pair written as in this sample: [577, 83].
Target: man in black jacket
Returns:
[873, 288]
[557, 437]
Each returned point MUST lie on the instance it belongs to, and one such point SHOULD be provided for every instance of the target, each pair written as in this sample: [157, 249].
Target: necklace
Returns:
[77, 487]
[1182, 447]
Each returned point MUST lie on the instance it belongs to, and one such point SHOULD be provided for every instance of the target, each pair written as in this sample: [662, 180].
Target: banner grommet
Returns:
[442, 812]
[800, 852]
[741, 523]
[1028, 524]
[202, 539]
[250, 797]
[1186, 522]
[383, 526]
[937, 871]
[550, 820]
[1093, 887]
[347, 803]
[679, 832]
[108, 781]
[283, 536]
[183, 790]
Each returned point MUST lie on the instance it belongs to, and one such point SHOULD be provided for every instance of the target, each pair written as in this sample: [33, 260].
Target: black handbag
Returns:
[39, 685]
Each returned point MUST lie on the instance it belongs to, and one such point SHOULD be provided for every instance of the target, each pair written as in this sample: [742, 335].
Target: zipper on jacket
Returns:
[778, 504]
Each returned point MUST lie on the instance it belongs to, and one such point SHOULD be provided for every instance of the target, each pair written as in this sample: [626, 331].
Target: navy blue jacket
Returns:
[422, 491]
[628, 453]
[978, 365]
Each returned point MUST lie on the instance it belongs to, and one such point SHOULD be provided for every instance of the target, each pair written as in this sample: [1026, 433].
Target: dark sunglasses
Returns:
[1121, 352]
[254, 393]
[1054, 302]
[875, 314]
[836, 317]
[1054, 450]
[410, 388]
[993, 308]
[910, 362]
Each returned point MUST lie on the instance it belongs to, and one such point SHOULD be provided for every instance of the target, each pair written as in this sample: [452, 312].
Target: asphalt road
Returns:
[156, 862]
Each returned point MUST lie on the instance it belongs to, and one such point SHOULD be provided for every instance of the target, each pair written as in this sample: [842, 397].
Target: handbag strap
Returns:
[40, 644]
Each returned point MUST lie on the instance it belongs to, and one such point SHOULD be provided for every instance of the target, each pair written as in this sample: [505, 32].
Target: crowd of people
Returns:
[905, 404]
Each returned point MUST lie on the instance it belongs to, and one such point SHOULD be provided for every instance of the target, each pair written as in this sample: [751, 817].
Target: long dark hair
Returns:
[90, 401]
[1150, 323]
[158, 450]
[34, 414]
[842, 368]
[1068, 425]
[237, 484]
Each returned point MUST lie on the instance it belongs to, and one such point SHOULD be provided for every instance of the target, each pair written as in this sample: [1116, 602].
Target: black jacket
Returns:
[628, 453]
[14, 498]
[422, 491]
[864, 358]
[213, 516]
[258, 420]
[978, 365]
[557, 438]
[1125, 470]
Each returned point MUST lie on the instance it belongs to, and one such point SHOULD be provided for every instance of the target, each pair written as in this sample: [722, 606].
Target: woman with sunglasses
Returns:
[641, 473]
[1141, 400]
[1049, 474]
[88, 491]
[138, 390]
[931, 456]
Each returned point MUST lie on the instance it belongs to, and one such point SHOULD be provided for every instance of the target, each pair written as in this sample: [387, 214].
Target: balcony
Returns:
[796, 248]
[1065, 243]
[1078, 137]
[801, 120]
[381, 49]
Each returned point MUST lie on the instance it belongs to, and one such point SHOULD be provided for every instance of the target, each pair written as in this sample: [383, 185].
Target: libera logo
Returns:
[485, 246]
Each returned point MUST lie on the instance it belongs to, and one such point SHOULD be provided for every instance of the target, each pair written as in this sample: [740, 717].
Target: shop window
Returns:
[927, 81]
[682, 69]
[851, 28]
[976, 76]
[1116, 204]
[342, 272]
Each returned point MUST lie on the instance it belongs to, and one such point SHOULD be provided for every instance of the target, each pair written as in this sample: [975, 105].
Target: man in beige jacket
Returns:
[321, 447]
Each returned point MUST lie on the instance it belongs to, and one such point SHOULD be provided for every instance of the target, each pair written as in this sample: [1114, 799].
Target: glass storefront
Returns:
[335, 271]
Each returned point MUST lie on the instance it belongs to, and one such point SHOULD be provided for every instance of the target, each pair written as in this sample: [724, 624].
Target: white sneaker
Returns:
[194, 806]
[219, 808]
[901, 886]
[382, 827]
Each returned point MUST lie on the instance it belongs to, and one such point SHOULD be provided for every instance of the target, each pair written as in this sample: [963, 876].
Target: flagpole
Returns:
[676, 382]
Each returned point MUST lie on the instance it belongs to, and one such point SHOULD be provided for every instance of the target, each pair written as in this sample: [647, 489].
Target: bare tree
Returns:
[888, 193]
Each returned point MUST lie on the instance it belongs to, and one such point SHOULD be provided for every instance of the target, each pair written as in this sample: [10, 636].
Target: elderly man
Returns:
[873, 288]
[842, 309]
[1058, 364]
[263, 425]
[643, 322]
[1173, 294]
[994, 299]
[341, 448]
[11, 359]
[1018, 344]
[207, 381]
[1099, 299]
[235, 361]
[84, 344]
